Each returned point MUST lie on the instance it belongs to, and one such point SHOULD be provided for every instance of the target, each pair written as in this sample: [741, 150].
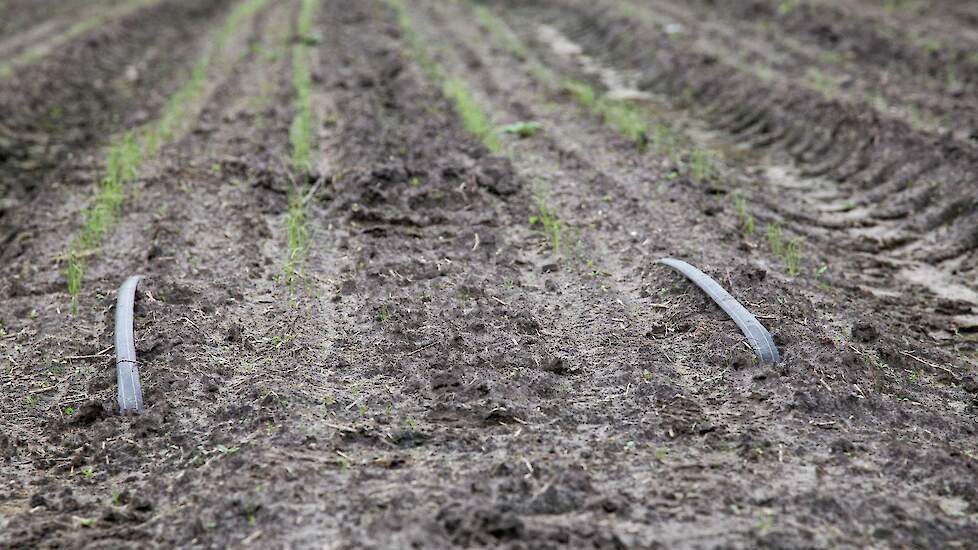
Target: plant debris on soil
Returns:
[400, 281]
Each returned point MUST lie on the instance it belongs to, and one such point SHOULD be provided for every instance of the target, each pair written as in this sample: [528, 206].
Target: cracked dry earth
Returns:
[477, 348]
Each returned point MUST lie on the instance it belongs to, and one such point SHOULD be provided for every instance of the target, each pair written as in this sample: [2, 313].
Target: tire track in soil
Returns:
[833, 212]
[831, 56]
[946, 306]
[63, 110]
[206, 275]
[503, 80]
[869, 169]
[943, 32]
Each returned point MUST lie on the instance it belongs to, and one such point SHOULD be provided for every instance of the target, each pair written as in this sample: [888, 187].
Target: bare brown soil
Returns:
[440, 374]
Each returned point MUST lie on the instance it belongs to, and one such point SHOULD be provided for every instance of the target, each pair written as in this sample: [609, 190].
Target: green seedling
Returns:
[624, 118]
[700, 166]
[296, 236]
[822, 83]
[581, 92]
[546, 218]
[792, 256]
[870, 358]
[474, 120]
[310, 39]
[785, 7]
[499, 31]
[416, 44]
[300, 131]
[664, 139]
[912, 376]
[765, 521]
[744, 218]
[775, 239]
[523, 129]
[620, 115]
[74, 273]
[300, 138]
[748, 226]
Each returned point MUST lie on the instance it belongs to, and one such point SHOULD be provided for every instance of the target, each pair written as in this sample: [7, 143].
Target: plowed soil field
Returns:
[400, 281]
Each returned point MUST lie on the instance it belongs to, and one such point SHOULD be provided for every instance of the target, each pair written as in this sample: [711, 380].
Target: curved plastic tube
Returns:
[757, 336]
[127, 371]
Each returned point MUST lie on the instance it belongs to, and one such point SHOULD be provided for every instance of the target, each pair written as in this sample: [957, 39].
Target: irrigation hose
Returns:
[757, 336]
[127, 370]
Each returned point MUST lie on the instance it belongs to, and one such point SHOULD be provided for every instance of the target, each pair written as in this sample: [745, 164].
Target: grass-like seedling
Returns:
[416, 44]
[664, 139]
[300, 139]
[503, 35]
[300, 131]
[789, 252]
[785, 7]
[700, 165]
[744, 218]
[624, 118]
[523, 129]
[474, 120]
[748, 226]
[792, 256]
[546, 218]
[775, 239]
[296, 236]
[582, 93]
[822, 83]
[74, 273]
[620, 115]
[497, 29]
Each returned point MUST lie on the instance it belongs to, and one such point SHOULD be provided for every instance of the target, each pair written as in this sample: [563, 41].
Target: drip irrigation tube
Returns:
[127, 370]
[757, 336]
